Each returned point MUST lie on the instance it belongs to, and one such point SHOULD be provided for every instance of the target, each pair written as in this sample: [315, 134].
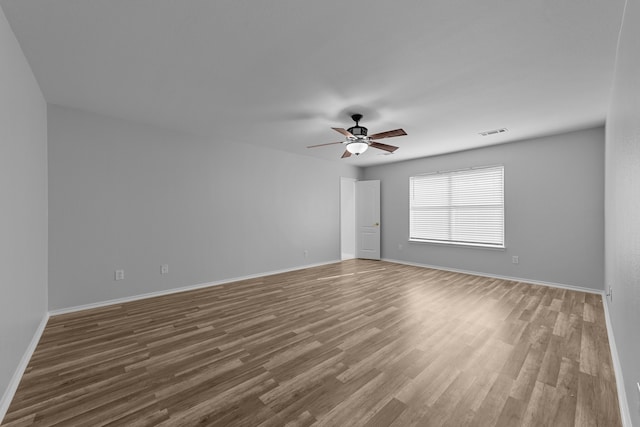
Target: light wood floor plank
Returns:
[357, 343]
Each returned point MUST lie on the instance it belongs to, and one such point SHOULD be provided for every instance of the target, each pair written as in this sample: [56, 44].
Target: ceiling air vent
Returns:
[493, 132]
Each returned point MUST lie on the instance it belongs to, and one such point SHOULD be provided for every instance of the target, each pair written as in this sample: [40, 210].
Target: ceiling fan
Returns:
[357, 141]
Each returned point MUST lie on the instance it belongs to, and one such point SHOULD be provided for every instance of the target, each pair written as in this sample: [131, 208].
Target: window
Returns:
[463, 207]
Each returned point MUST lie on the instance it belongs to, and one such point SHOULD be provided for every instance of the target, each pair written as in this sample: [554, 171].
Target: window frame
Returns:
[450, 208]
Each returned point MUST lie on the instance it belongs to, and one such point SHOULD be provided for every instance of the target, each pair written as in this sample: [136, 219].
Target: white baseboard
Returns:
[10, 391]
[495, 276]
[617, 368]
[182, 289]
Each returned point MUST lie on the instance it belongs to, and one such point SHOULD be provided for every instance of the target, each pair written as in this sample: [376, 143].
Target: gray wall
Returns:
[23, 206]
[133, 197]
[622, 207]
[554, 214]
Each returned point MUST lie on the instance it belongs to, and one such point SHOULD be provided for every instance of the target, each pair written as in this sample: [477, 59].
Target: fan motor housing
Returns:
[358, 131]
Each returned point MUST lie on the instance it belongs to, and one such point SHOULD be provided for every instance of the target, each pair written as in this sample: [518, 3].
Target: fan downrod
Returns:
[356, 118]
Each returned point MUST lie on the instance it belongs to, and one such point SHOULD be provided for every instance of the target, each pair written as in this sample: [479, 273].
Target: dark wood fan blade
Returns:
[322, 145]
[343, 131]
[385, 147]
[346, 154]
[388, 134]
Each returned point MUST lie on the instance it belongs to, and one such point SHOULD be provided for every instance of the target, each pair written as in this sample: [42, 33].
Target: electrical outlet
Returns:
[515, 259]
[610, 293]
[399, 246]
[306, 253]
[164, 268]
[119, 275]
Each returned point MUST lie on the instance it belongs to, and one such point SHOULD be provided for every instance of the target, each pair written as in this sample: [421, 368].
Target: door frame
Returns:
[347, 218]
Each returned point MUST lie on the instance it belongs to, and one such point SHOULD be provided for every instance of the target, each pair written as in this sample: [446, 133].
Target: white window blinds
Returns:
[463, 207]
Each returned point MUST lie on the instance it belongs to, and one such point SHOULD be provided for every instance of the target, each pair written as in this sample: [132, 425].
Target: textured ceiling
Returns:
[281, 73]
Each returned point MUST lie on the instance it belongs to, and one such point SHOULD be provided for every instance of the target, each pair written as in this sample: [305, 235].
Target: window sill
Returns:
[459, 244]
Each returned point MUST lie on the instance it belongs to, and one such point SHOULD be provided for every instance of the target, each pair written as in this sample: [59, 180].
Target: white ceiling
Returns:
[280, 73]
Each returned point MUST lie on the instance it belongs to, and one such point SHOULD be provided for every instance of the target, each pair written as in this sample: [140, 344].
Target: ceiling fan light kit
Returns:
[357, 147]
[357, 141]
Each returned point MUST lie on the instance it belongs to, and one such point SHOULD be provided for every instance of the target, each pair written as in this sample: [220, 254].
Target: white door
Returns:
[368, 219]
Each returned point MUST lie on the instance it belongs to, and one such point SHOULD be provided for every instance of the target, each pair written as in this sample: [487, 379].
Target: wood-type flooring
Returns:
[356, 343]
